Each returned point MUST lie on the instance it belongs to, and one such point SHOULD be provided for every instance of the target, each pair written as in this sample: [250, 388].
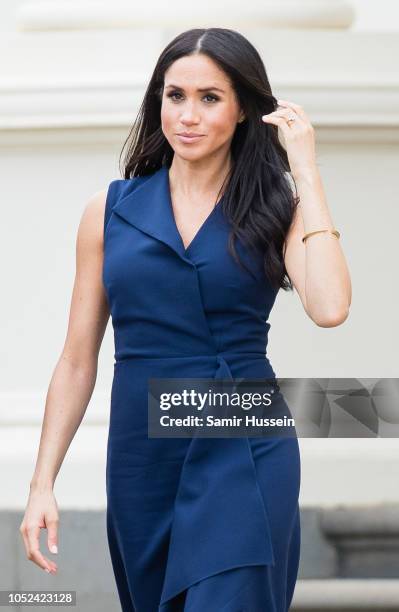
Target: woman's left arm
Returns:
[317, 267]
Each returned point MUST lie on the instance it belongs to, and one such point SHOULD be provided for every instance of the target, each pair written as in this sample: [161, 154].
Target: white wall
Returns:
[60, 142]
[373, 15]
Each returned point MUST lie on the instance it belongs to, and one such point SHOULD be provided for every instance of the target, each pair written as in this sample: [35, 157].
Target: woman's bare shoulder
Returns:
[93, 216]
[96, 202]
[92, 220]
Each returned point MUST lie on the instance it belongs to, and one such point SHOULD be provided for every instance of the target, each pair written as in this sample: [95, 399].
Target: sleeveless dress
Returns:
[193, 524]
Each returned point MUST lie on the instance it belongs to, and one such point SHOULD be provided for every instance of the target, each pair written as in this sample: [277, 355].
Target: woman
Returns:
[187, 253]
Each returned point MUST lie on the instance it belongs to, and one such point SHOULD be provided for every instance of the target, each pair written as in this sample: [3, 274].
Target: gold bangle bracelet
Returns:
[334, 232]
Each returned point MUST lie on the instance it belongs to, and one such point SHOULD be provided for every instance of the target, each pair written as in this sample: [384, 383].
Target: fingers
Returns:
[52, 538]
[301, 125]
[284, 113]
[296, 107]
[279, 120]
[31, 542]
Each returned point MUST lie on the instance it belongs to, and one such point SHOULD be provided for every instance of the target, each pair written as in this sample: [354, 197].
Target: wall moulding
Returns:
[42, 15]
[102, 110]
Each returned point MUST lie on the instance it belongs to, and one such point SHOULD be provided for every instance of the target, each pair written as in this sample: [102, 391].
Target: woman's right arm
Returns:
[72, 382]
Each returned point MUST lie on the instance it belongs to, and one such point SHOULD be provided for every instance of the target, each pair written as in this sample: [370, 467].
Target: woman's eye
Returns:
[176, 93]
[211, 96]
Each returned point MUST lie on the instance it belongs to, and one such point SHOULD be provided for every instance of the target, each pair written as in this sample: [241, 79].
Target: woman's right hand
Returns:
[41, 513]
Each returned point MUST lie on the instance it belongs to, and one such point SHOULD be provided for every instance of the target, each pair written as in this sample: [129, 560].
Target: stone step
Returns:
[346, 595]
[366, 540]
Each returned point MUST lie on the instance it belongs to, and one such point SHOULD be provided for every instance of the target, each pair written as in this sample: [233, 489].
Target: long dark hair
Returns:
[258, 199]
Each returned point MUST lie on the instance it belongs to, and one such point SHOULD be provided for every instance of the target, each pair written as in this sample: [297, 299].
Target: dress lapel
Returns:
[147, 207]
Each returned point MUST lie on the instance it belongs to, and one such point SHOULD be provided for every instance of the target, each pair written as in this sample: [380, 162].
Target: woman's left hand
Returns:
[298, 135]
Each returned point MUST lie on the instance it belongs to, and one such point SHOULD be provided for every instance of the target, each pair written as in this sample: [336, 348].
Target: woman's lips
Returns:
[189, 139]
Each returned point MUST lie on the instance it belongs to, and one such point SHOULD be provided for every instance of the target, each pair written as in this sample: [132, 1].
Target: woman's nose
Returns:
[190, 114]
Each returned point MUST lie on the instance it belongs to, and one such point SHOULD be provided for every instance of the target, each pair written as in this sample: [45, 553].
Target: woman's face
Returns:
[198, 98]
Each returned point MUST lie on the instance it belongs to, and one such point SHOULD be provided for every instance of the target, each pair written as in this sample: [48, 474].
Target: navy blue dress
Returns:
[193, 524]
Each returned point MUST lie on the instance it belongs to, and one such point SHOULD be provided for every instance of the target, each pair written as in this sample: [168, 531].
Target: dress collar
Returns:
[148, 207]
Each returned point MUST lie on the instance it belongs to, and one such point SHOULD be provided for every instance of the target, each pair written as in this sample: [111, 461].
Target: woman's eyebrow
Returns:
[199, 88]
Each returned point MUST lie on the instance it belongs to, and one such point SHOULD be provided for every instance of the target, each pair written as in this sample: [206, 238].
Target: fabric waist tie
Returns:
[209, 533]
